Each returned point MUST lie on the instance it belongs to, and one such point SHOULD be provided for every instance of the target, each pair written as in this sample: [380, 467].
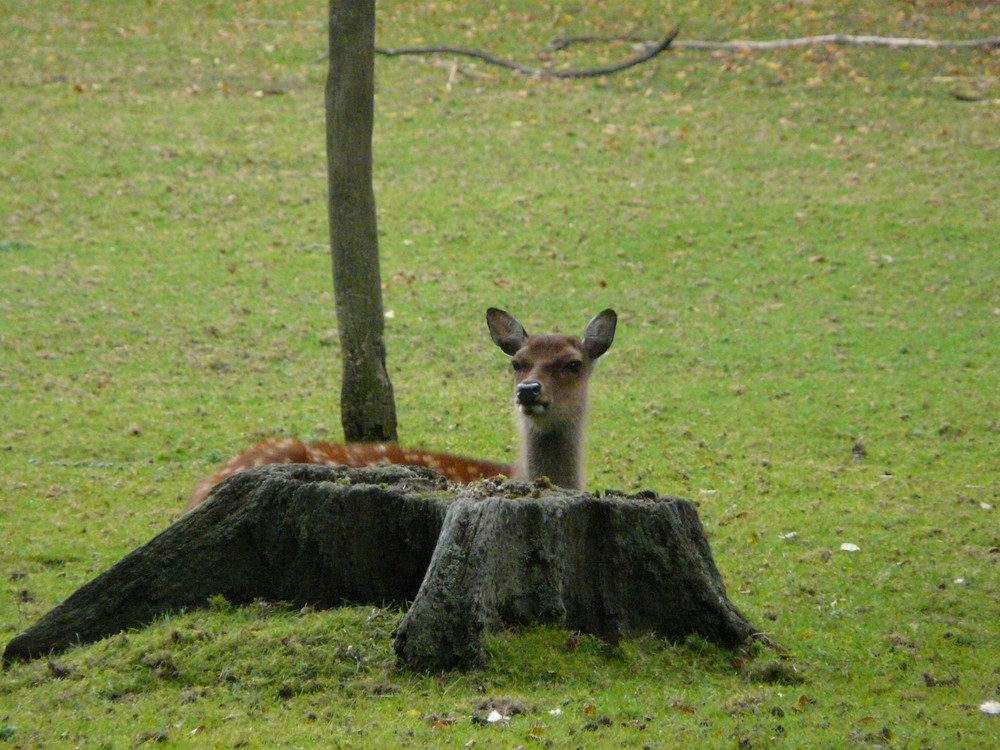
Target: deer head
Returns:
[551, 373]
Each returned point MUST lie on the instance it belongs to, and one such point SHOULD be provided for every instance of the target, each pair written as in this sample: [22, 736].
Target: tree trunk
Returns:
[368, 411]
[472, 560]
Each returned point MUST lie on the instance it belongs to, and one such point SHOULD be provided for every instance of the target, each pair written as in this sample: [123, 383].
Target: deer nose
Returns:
[529, 392]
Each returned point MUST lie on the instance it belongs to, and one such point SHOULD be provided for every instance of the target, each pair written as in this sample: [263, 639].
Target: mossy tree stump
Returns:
[471, 560]
[609, 567]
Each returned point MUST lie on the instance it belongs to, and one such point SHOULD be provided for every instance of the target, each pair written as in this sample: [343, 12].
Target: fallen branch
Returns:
[562, 43]
[652, 51]
[654, 48]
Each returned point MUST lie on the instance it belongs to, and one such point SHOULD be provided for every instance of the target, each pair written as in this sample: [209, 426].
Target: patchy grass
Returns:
[800, 244]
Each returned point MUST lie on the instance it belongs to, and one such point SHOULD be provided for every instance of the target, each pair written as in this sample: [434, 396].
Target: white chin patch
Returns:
[533, 410]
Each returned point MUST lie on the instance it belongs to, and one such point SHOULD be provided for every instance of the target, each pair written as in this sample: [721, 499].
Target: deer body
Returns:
[457, 469]
[551, 374]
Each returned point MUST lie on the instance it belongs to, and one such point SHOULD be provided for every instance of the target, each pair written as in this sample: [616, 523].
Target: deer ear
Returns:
[600, 333]
[507, 333]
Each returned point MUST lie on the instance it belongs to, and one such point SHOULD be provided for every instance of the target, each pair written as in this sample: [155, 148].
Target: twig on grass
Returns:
[652, 51]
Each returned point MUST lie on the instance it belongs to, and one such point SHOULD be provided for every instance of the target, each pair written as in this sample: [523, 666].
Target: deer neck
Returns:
[556, 453]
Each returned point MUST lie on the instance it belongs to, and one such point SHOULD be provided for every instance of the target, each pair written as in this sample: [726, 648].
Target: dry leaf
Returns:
[803, 701]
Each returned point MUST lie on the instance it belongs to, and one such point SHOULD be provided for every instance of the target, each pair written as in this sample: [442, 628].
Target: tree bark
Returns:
[610, 567]
[303, 534]
[367, 406]
[472, 559]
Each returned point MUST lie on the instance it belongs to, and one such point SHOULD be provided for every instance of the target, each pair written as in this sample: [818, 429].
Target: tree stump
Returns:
[302, 534]
[472, 559]
[610, 567]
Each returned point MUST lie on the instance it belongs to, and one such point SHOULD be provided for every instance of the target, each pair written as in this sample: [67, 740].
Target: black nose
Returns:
[528, 392]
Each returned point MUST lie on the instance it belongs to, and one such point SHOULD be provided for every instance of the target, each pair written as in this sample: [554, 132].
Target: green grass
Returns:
[801, 246]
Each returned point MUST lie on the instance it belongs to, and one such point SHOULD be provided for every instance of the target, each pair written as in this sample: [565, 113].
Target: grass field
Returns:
[802, 249]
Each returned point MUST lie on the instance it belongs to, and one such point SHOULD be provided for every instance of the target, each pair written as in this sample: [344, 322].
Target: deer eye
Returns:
[516, 366]
[575, 366]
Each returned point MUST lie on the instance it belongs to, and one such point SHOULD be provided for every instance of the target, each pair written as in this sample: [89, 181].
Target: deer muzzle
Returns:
[529, 397]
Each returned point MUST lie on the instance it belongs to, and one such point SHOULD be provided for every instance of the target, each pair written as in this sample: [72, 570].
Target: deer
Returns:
[551, 377]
